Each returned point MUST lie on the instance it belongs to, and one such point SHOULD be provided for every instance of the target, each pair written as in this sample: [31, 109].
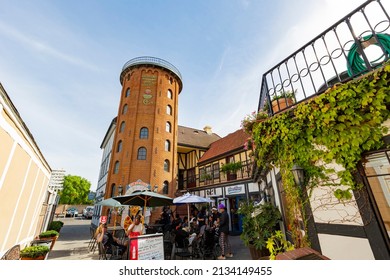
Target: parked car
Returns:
[88, 212]
[72, 212]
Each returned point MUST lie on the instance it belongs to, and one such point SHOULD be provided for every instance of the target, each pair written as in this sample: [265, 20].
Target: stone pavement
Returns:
[75, 235]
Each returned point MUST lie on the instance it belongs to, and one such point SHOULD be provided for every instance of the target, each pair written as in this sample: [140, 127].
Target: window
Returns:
[166, 165]
[119, 146]
[116, 167]
[124, 110]
[122, 127]
[141, 153]
[167, 146]
[169, 110]
[169, 94]
[113, 190]
[168, 127]
[165, 187]
[216, 170]
[127, 92]
[202, 174]
[191, 178]
[144, 133]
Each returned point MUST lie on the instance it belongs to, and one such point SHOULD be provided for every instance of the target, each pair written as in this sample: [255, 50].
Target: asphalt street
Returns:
[75, 236]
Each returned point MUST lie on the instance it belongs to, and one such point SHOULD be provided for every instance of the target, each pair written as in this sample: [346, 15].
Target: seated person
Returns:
[185, 222]
[181, 236]
[108, 239]
[136, 228]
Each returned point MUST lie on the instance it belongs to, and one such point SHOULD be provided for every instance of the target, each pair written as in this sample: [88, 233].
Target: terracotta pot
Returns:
[283, 103]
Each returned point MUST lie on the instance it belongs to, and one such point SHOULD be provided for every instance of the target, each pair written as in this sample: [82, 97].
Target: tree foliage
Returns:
[75, 191]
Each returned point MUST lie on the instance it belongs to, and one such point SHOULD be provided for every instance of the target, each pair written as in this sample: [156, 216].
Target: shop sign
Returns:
[103, 219]
[234, 189]
[210, 192]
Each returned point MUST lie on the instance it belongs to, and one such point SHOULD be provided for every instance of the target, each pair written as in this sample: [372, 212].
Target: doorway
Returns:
[235, 218]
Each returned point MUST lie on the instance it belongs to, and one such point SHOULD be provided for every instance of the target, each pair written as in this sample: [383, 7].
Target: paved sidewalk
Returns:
[74, 238]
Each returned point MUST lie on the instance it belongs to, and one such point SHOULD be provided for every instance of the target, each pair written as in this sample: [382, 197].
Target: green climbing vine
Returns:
[335, 127]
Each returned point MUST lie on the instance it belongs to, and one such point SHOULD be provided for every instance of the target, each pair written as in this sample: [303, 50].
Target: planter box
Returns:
[259, 254]
[305, 253]
[40, 258]
[52, 239]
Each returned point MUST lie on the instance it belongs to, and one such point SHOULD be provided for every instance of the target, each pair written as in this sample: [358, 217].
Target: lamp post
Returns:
[299, 175]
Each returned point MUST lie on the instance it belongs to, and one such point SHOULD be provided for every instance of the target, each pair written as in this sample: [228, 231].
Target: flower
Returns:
[249, 120]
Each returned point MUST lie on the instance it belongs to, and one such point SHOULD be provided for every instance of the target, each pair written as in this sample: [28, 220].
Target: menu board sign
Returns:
[147, 247]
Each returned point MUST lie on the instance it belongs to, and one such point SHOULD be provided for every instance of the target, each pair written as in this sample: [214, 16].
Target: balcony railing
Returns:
[244, 173]
[355, 45]
[154, 61]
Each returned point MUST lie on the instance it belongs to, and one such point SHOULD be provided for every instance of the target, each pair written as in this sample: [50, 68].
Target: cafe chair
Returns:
[182, 251]
[115, 253]
[102, 251]
[92, 242]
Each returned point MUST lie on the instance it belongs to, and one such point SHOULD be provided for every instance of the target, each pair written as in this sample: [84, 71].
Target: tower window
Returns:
[141, 153]
[165, 187]
[127, 92]
[168, 127]
[122, 127]
[144, 133]
[169, 94]
[166, 165]
[116, 167]
[119, 147]
[167, 145]
[112, 190]
[124, 110]
[169, 110]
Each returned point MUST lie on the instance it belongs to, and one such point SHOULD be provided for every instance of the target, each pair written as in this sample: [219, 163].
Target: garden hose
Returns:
[356, 63]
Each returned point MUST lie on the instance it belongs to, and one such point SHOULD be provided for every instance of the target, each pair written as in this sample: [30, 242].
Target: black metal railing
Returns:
[154, 61]
[355, 45]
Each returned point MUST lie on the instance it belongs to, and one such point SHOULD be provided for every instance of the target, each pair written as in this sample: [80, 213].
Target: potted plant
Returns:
[278, 244]
[49, 235]
[248, 122]
[282, 100]
[34, 252]
[56, 225]
[259, 221]
[230, 169]
[206, 177]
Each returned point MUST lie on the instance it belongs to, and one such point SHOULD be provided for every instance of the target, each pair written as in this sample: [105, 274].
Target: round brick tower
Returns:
[145, 141]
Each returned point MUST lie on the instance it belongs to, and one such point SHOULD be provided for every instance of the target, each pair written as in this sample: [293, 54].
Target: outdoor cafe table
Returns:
[117, 230]
[156, 227]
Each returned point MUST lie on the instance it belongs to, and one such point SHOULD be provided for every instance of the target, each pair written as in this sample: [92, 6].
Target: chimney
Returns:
[208, 130]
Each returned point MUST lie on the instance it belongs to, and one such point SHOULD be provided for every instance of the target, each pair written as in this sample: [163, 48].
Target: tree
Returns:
[75, 191]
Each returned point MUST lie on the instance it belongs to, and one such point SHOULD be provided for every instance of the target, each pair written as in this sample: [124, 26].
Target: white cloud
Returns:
[43, 48]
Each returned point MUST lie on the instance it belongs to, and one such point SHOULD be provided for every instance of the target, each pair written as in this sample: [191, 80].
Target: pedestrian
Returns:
[224, 233]
[215, 215]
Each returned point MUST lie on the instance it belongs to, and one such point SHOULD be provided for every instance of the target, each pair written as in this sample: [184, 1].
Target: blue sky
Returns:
[60, 61]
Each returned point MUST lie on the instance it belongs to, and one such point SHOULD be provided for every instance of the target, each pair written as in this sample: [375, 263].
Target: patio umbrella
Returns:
[144, 199]
[110, 202]
[190, 198]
